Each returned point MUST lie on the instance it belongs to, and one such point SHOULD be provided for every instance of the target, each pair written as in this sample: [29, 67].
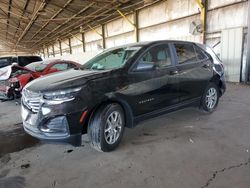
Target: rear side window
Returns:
[200, 54]
[185, 53]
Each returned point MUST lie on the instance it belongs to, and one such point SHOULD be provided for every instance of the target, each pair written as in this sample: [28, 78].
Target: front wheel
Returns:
[106, 127]
[210, 98]
[10, 94]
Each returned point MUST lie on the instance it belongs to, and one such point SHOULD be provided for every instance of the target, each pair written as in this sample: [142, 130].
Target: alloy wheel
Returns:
[211, 98]
[113, 127]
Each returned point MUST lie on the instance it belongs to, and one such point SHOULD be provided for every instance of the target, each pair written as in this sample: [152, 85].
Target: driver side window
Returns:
[156, 57]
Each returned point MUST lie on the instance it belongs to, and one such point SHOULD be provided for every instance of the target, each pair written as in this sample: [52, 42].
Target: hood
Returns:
[64, 80]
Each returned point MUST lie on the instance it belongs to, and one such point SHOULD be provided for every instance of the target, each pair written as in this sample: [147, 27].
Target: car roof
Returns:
[148, 43]
[47, 61]
[52, 61]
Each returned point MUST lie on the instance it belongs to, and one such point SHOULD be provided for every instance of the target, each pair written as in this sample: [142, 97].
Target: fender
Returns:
[215, 79]
[129, 116]
[110, 98]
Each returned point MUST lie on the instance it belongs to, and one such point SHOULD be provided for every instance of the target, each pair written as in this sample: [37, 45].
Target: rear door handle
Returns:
[174, 72]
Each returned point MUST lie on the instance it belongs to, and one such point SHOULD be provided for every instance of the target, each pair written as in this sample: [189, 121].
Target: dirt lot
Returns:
[185, 149]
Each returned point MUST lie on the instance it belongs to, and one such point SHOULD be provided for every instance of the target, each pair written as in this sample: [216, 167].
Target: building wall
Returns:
[164, 20]
[224, 15]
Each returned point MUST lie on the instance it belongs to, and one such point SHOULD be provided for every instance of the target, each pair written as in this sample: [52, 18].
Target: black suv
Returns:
[20, 60]
[117, 89]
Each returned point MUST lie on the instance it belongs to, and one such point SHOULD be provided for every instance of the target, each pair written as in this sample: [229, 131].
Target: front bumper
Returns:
[36, 124]
[3, 96]
[9, 92]
[3, 92]
[74, 140]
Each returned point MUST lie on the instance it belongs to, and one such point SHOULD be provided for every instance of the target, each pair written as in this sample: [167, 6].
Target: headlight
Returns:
[61, 95]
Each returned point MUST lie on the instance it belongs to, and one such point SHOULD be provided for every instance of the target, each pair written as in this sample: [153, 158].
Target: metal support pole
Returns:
[248, 46]
[43, 53]
[60, 47]
[53, 50]
[136, 21]
[48, 51]
[70, 48]
[203, 8]
[103, 37]
[204, 18]
[83, 42]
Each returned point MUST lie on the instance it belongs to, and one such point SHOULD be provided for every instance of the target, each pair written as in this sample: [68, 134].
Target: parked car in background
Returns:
[7, 62]
[20, 60]
[119, 88]
[19, 76]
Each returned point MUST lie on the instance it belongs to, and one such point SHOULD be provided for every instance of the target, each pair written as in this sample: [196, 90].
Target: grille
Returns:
[31, 100]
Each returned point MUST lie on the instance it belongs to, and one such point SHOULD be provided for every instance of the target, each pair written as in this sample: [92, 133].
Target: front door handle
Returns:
[174, 72]
[206, 66]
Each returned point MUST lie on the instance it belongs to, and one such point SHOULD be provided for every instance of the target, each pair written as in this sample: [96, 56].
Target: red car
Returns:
[20, 76]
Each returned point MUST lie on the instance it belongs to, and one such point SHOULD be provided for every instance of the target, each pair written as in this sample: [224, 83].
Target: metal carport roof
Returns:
[28, 25]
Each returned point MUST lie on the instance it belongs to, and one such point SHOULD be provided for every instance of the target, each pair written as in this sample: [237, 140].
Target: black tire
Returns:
[11, 96]
[99, 122]
[204, 106]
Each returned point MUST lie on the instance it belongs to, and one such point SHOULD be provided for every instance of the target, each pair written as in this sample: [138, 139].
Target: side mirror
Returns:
[145, 66]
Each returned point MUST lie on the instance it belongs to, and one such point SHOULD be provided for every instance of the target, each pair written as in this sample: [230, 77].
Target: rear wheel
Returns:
[210, 98]
[106, 127]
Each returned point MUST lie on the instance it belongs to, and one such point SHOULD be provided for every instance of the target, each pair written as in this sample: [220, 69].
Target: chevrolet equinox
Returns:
[119, 88]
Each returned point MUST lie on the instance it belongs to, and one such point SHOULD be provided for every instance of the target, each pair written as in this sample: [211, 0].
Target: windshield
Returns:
[111, 59]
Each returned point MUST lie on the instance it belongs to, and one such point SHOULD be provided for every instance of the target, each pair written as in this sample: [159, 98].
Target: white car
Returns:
[5, 72]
